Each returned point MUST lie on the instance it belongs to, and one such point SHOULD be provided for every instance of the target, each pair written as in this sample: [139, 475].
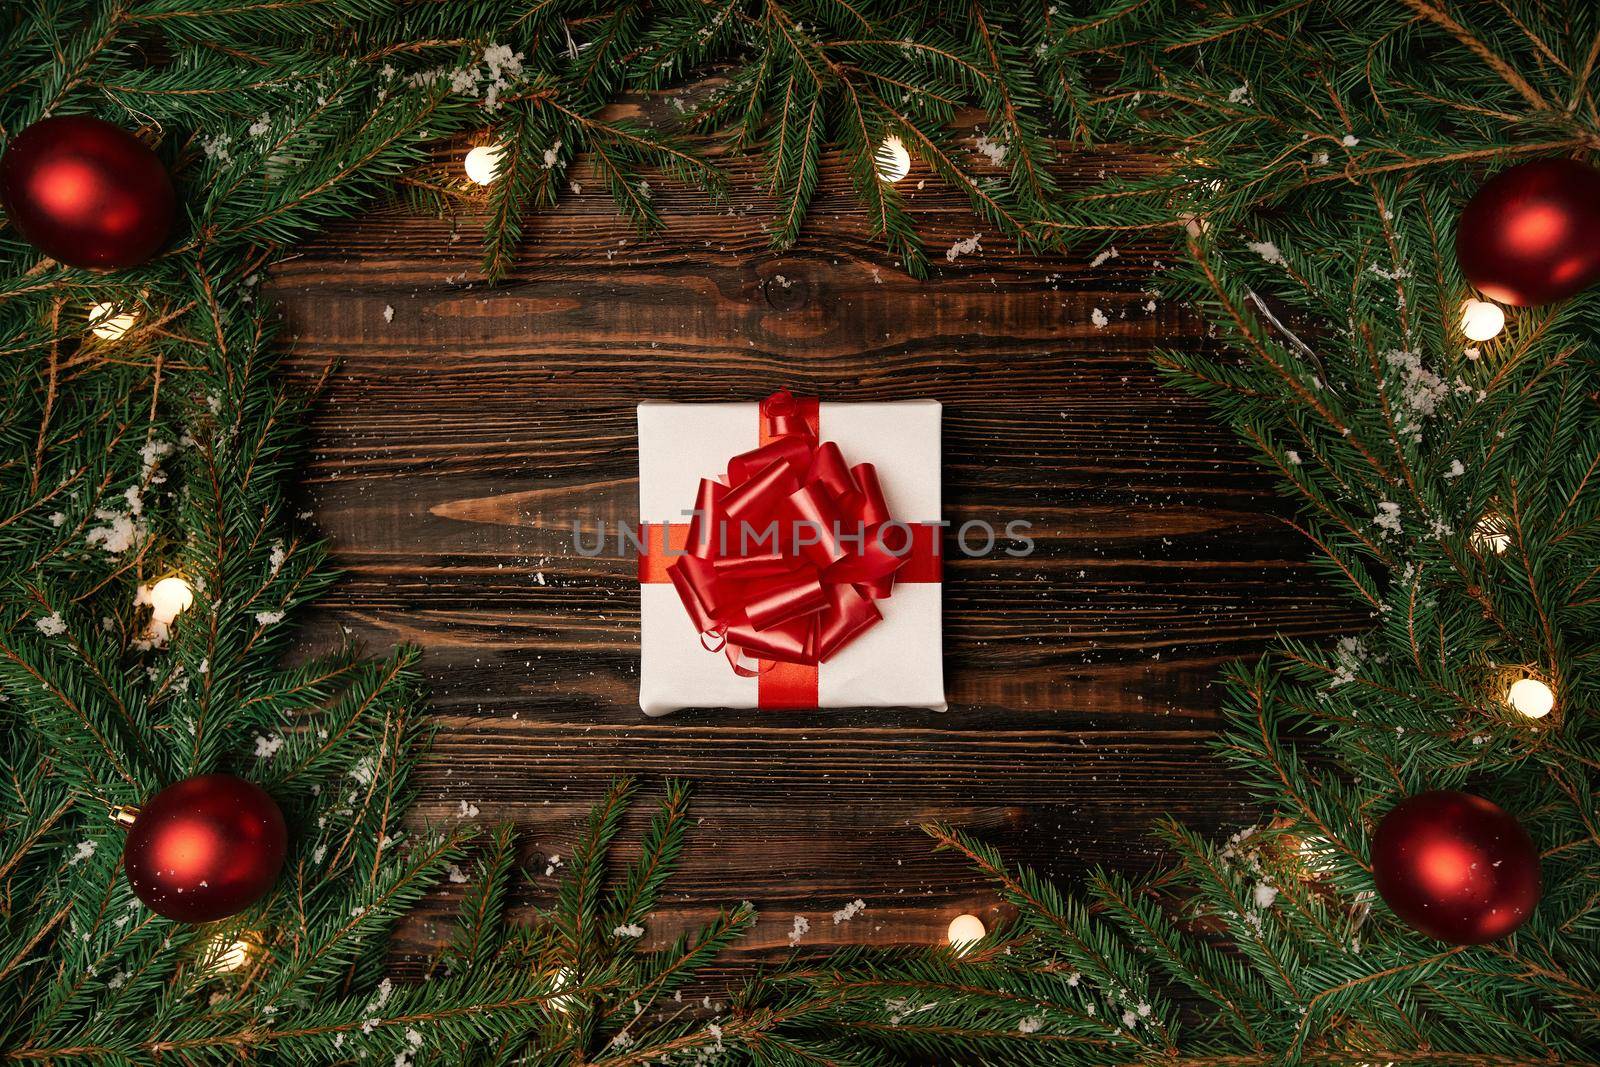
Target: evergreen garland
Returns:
[1315, 156]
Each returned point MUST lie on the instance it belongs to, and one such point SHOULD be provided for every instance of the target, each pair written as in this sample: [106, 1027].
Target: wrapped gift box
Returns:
[894, 662]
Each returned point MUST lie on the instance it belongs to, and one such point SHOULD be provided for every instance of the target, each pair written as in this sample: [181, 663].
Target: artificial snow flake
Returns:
[1348, 655]
[1349, 140]
[216, 146]
[84, 850]
[267, 747]
[1241, 851]
[406, 1057]
[964, 247]
[849, 911]
[1388, 517]
[467, 811]
[388, 313]
[1239, 94]
[802, 925]
[457, 875]
[1099, 318]
[1031, 1025]
[1268, 251]
[501, 60]
[364, 769]
[267, 618]
[1106, 256]
[992, 150]
[1263, 894]
[379, 999]
[118, 533]
[153, 452]
[501, 66]
[51, 625]
[628, 930]
[1421, 390]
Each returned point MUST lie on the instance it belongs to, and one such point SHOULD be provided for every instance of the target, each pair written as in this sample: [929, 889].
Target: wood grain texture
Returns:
[466, 431]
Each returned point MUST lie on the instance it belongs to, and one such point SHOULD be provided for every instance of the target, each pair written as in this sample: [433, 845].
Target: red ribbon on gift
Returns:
[787, 554]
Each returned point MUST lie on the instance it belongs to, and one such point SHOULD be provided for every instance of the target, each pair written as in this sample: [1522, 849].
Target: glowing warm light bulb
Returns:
[1316, 853]
[107, 323]
[483, 163]
[965, 931]
[169, 598]
[1490, 534]
[1481, 320]
[234, 957]
[559, 981]
[1531, 697]
[893, 162]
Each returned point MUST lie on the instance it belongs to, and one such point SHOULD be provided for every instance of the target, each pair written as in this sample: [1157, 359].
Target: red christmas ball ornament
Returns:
[205, 848]
[86, 193]
[1531, 234]
[1455, 867]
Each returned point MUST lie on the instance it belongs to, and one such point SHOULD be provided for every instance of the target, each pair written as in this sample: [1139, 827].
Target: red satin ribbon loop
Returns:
[786, 552]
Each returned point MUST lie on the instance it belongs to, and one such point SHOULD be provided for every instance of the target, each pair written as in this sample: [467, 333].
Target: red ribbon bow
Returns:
[786, 552]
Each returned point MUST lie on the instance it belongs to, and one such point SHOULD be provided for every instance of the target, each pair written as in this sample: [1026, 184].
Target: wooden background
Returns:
[468, 427]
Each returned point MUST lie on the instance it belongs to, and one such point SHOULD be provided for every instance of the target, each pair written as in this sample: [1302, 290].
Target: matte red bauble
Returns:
[205, 848]
[1532, 233]
[86, 193]
[1455, 867]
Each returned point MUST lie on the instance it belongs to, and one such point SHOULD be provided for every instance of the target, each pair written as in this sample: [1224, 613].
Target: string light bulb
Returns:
[483, 163]
[227, 958]
[169, 598]
[892, 161]
[109, 324]
[965, 931]
[1482, 320]
[560, 980]
[1531, 697]
[1490, 535]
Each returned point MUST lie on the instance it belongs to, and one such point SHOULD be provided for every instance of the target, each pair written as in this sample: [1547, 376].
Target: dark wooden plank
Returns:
[469, 426]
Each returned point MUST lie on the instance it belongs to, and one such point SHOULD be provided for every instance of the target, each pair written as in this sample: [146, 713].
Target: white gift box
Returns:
[898, 662]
